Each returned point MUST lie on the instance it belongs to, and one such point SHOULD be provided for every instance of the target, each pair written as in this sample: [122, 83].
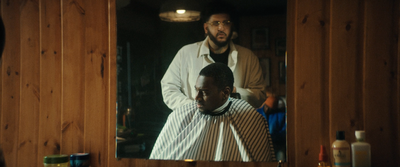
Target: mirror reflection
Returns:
[169, 106]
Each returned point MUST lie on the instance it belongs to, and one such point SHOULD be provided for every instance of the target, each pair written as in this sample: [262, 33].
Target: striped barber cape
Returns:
[239, 134]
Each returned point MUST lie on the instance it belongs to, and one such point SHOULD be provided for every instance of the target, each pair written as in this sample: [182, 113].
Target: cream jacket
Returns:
[180, 78]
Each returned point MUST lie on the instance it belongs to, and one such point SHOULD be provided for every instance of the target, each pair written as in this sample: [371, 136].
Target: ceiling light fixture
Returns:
[180, 11]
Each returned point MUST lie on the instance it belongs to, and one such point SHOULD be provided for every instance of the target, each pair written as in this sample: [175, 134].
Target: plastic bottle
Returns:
[323, 158]
[341, 151]
[361, 151]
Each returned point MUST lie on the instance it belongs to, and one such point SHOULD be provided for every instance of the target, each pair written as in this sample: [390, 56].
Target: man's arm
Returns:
[172, 84]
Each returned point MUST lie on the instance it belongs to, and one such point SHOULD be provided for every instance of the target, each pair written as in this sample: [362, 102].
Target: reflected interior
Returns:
[146, 46]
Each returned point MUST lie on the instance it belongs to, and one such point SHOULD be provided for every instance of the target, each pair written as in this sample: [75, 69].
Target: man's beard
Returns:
[216, 42]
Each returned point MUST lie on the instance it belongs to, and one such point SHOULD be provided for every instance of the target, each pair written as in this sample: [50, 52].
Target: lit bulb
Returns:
[180, 11]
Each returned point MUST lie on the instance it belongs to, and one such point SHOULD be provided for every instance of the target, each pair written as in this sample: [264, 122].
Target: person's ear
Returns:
[226, 91]
[205, 28]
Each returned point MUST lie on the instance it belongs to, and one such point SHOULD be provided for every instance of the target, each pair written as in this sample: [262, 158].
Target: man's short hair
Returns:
[221, 74]
[218, 7]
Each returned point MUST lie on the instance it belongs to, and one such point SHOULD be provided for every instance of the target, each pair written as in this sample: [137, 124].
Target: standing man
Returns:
[215, 127]
[179, 80]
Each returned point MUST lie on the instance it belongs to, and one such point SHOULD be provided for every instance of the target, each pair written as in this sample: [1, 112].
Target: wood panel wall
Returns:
[58, 80]
[343, 75]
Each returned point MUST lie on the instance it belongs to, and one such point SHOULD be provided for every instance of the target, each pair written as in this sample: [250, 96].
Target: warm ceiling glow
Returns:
[180, 11]
[174, 16]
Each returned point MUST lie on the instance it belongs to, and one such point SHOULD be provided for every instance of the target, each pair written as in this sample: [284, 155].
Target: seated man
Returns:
[275, 114]
[215, 127]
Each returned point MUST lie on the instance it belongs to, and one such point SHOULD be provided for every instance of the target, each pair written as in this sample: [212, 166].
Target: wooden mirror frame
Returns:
[53, 45]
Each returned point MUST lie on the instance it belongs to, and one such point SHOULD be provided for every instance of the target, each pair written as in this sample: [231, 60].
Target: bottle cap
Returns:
[322, 154]
[55, 159]
[360, 134]
[340, 135]
[79, 156]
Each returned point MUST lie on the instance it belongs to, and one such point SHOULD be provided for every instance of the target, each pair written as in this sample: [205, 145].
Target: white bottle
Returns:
[361, 151]
[341, 151]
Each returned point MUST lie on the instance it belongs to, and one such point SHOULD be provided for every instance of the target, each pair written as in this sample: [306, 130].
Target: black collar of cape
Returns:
[223, 112]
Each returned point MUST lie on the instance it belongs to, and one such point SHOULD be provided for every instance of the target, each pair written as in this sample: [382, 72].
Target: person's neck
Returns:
[223, 106]
[217, 49]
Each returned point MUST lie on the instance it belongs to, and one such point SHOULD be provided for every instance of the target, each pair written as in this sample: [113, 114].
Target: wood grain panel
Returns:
[290, 110]
[154, 163]
[1, 84]
[345, 83]
[96, 80]
[380, 81]
[73, 76]
[30, 83]
[396, 55]
[112, 89]
[11, 63]
[310, 79]
[50, 80]
[85, 98]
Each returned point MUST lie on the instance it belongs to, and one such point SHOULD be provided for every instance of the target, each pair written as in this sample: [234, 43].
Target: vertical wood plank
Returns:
[379, 82]
[11, 82]
[396, 55]
[96, 83]
[345, 100]
[311, 79]
[30, 83]
[50, 80]
[290, 110]
[112, 89]
[1, 84]
[112, 160]
[73, 76]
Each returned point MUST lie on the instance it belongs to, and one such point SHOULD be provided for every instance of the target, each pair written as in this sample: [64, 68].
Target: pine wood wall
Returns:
[58, 80]
[343, 75]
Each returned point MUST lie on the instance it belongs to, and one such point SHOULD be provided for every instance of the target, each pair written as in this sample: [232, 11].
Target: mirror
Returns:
[147, 45]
